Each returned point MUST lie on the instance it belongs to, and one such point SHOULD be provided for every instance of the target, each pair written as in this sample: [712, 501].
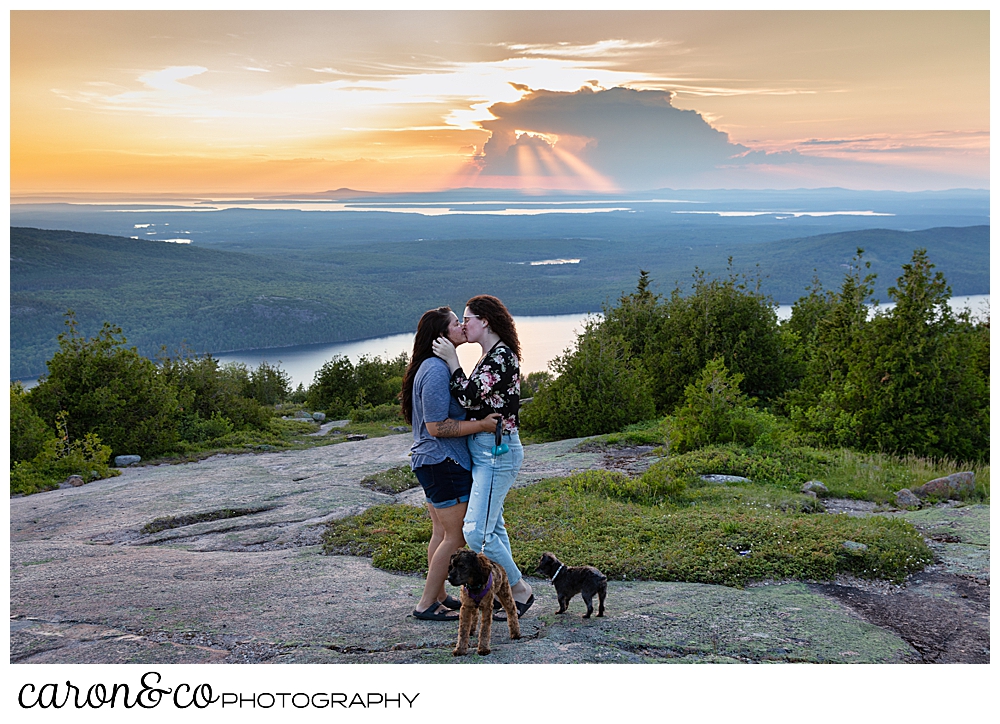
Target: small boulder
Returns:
[401, 428]
[955, 487]
[123, 461]
[303, 415]
[724, 479]
[906, 499]
[357, 436]
[814, 486]
[74, 480]
[854, 546]
[319, 416]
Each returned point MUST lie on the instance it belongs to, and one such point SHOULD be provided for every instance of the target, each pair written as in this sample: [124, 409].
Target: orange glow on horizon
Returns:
[245, 102]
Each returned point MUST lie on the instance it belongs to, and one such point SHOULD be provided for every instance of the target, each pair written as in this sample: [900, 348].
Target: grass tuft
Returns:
[391, 481]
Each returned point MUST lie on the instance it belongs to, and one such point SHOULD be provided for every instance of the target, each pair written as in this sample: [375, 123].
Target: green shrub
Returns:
[599, 390]
[268, 384]
[787, 467]
[716, 411]
[213, 399]
[59, 458]
[193, 428]
[911, 380]
[728, 319]
[299, 395]
[28, 432]
[388, 412]
[653, 487]
[661, 484]
[340, 386]
[109, 390]
[333, 388]
[532, 381]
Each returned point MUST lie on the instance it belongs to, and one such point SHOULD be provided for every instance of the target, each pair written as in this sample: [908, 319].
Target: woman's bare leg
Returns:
[449, 520]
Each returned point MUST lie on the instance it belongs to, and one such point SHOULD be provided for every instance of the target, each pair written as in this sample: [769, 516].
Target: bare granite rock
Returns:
[219, 561]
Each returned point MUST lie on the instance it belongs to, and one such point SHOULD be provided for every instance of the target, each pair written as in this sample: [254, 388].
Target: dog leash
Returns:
[558, 571]
[499, 448]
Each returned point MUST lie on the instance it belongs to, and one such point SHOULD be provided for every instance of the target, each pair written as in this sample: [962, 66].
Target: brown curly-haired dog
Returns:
[481, 579]
[569, 581]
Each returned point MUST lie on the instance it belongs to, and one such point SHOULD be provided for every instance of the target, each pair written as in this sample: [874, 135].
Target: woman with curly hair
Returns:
[439, 455]
[493, 386]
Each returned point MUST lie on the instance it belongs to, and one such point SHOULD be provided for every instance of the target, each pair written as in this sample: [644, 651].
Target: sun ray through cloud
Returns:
[630, 100]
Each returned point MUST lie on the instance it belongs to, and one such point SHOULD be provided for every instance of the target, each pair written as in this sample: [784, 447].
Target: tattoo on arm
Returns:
[449, 428]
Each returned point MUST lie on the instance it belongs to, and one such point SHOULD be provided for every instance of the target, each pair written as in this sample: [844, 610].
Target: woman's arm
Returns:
[461, 428]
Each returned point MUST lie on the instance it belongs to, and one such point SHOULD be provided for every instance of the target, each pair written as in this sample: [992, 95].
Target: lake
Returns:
[543, 338]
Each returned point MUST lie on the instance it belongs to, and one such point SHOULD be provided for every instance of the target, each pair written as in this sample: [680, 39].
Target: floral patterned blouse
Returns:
[493, 386]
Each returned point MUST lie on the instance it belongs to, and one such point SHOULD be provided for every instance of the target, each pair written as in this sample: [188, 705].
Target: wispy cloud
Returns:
[601, 49]
[934, 141]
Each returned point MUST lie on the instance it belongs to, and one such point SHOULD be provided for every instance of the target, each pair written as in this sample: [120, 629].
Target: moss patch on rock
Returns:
[392, 481]
[730, 542]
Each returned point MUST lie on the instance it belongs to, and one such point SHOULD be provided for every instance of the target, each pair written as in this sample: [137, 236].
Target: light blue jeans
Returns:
[491, 479]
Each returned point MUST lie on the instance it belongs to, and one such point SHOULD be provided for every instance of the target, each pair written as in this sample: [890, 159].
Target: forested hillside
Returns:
[220, 300]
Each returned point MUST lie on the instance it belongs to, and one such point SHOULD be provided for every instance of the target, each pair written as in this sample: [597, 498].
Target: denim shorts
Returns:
[445, 484]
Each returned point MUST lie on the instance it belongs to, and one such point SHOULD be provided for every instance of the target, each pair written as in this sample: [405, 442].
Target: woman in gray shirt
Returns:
[439, 454]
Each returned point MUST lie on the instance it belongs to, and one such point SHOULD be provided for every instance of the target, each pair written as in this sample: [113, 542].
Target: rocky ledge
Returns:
[219, 561]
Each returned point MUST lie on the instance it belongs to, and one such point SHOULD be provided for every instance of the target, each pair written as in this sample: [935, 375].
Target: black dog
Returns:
[569, 581]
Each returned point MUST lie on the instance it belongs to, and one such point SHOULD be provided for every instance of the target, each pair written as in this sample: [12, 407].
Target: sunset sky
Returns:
[239, 102]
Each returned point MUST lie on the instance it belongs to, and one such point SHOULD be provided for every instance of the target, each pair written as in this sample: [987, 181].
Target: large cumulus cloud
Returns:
[638, 139]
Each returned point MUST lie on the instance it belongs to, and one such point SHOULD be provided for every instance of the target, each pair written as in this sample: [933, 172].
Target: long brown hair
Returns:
[496, 315]
[433, 324]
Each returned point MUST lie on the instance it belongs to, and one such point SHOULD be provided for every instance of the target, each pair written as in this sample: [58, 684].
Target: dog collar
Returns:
[477, 597]
[558, 571]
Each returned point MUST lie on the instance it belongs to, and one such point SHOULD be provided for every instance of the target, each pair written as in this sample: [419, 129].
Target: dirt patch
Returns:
[180, 521]
[945, 617]
[629, 460]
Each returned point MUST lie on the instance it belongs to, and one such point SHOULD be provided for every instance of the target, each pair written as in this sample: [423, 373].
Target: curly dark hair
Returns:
[433, 324]
[496, 315]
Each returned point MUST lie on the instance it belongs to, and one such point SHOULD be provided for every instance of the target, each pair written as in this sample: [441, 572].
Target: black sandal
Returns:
[522, 608]
[451, 602]
[434, 613]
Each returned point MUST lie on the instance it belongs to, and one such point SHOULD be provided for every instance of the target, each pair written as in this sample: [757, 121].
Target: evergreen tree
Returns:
[922, 394]
[826, 403]
[913, 379]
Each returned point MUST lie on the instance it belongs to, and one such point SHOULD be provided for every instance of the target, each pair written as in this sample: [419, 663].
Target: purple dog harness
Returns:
[477, 597]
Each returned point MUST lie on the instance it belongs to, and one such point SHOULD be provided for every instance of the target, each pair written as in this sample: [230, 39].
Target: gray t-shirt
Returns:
[432, 401]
